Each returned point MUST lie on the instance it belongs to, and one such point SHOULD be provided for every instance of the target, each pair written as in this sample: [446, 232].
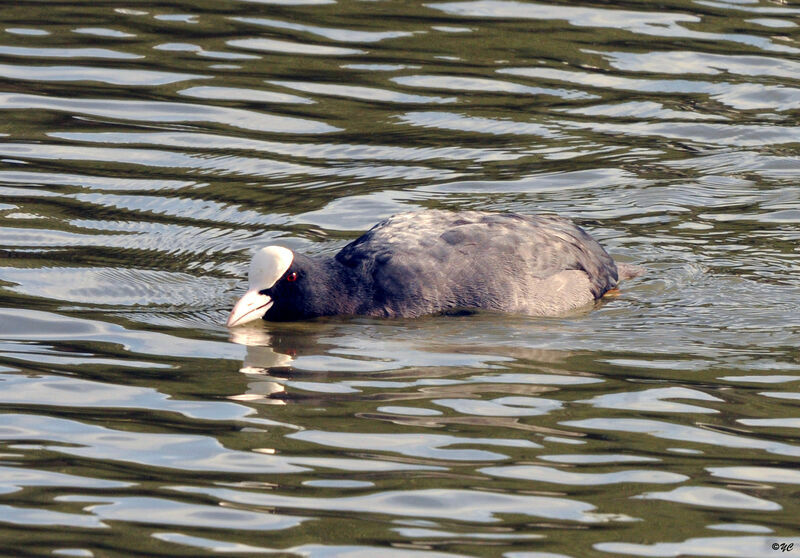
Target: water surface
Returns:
[146, 150]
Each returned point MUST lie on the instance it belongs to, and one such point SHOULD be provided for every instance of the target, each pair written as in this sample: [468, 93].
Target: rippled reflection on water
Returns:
[146, 150]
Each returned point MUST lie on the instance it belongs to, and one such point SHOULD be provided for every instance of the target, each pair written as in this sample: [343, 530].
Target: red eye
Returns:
[292, 277]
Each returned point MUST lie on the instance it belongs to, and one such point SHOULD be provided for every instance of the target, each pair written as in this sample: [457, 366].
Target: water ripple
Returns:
[160, 511]
[73, 53]
[338, 35]
[65, 392]
[480, 84]
[461, 505]
[287, 47]
[363, 93]
[690, 62]
[671, 25]
[558, 476]
[734, 547]
[695, 435]
[431, 446]
[37, 517]
[743, 96]
[15, 479]
[113, 76]
[654, 400]
[712, 497]
[166, 112]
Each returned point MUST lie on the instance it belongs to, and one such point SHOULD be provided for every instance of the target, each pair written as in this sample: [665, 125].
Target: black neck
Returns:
[331, 290]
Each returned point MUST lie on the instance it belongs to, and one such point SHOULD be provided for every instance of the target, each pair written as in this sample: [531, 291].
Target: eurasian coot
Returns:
[434, 261]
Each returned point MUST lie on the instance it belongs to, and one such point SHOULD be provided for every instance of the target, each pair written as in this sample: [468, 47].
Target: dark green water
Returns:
[146, 149]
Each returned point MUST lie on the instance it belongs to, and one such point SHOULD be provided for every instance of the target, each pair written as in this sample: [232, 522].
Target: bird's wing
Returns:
[443, 259]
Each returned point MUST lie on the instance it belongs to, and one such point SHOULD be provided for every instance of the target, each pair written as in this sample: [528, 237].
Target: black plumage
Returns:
[428, 262]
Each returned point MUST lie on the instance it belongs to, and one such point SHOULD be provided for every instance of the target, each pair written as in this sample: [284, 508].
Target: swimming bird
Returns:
[433, 261]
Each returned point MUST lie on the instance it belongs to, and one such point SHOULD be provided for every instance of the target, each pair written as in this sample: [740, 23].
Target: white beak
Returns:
[251, 306]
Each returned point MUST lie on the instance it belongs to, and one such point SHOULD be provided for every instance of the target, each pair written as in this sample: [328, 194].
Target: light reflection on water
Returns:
[146, 151]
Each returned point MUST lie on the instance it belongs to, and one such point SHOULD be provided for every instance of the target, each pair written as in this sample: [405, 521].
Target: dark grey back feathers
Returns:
[432, 261]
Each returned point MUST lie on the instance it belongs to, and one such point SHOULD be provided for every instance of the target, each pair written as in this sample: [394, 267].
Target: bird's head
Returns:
[276, 279]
